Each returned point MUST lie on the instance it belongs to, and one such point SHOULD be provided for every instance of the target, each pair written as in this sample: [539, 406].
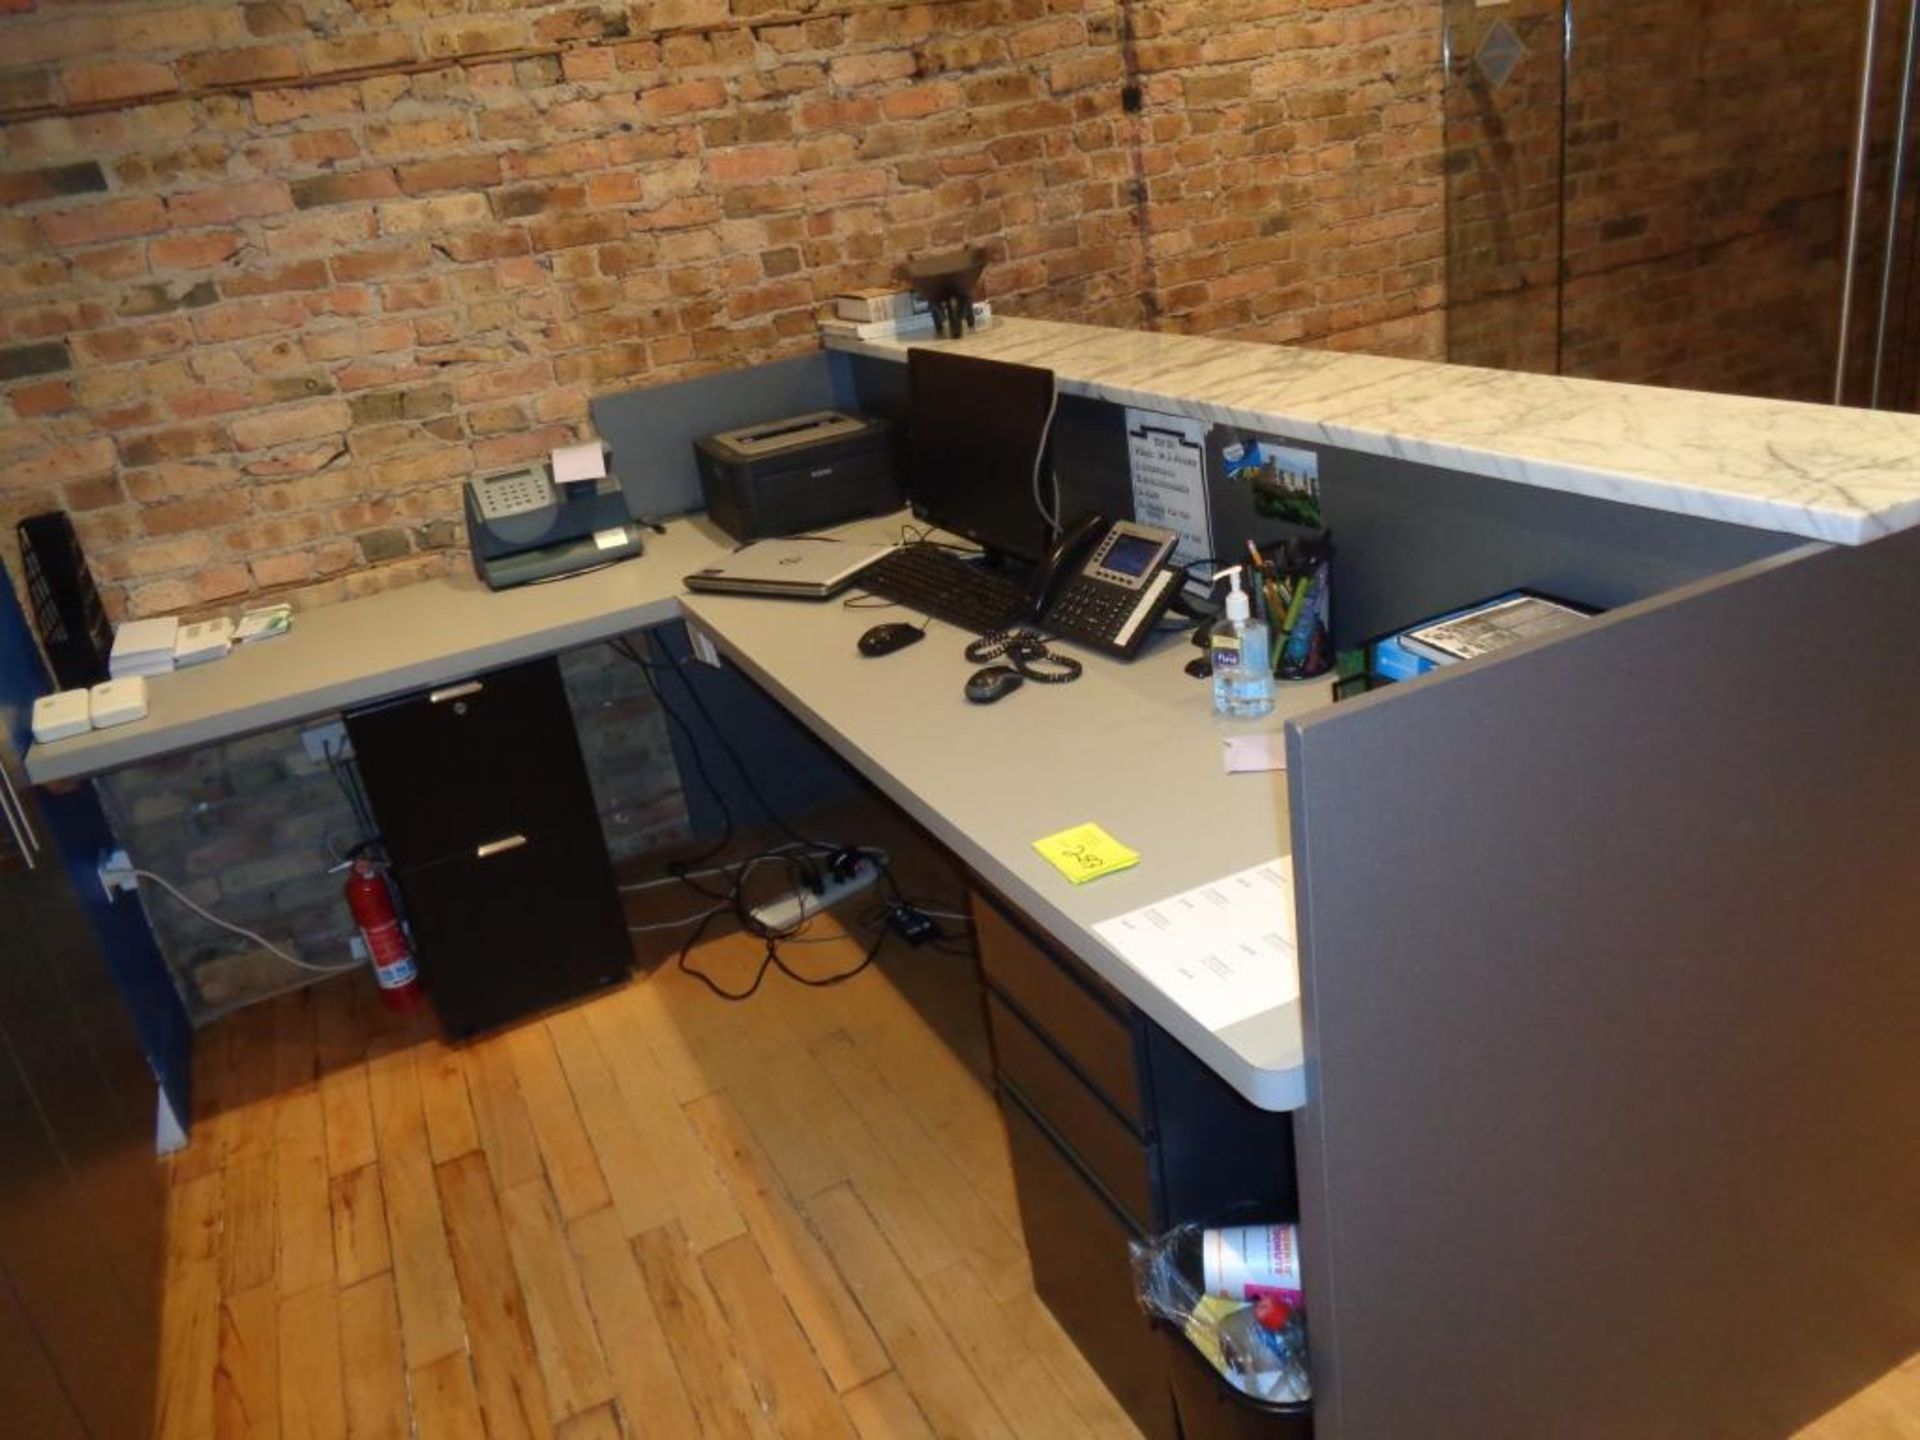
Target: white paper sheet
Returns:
[1167, 456]
[574, 463]
[1251, 754]
[1222, 951]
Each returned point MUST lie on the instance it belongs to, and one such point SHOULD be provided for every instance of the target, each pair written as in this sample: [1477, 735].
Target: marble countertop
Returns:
[1839, 475]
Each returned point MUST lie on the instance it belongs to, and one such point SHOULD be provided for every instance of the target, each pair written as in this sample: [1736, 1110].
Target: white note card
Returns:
[575, 463]
[1167, 455]
[1253, 754]
[1222, 951]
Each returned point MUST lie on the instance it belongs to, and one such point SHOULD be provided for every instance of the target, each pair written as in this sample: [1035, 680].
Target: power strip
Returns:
[783, 914]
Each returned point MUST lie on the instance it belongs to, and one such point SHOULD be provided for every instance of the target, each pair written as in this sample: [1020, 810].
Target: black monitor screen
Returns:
[977, 426]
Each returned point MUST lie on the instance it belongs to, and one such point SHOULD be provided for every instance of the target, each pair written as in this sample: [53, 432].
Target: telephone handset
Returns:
[1105, 585]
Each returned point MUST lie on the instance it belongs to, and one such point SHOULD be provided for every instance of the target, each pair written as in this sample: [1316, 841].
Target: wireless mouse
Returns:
[988, 685]
[885, 639]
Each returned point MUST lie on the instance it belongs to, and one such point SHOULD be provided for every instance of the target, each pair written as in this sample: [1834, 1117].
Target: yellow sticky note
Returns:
[1086, 852]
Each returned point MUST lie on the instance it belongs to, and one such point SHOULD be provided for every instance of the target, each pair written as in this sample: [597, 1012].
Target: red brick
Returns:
[193, 252]
[465, 172]
[289, 569]
[285, 424]
[240, 67]
[44, 397]
[223, 206]
[107, 220]
[116, 80]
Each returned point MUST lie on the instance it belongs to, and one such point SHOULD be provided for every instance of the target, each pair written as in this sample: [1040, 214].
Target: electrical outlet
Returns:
[116, 874]
[331, 735]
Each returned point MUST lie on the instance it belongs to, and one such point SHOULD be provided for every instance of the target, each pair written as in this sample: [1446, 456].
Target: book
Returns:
[1493, 626]
[266, 623]
[921, 324]
[143, 647]
[208, 640]
[865, 307]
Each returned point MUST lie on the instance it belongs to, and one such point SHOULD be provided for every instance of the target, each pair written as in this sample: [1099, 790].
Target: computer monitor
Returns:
[977, 428]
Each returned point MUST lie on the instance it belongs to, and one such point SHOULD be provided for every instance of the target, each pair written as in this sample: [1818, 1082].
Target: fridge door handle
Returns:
[24, 839]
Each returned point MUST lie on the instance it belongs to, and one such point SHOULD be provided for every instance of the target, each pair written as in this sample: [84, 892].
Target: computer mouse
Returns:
[988, 685]
[885, 639]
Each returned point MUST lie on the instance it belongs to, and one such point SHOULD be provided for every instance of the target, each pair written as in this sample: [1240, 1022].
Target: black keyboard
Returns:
[938, 582]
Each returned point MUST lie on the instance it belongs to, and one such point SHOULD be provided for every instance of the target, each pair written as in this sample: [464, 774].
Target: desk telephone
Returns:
[1106, 585]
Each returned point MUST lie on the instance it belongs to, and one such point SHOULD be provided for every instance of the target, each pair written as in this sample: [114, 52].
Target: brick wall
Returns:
[275, 275]
[1705, 170]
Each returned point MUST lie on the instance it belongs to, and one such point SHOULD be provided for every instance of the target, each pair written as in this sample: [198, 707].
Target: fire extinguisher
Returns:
[393, 967]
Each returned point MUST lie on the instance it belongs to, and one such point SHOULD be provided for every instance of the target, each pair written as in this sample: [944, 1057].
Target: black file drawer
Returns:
[471, 761]
[514, 931]
[1078, 1246]
[1096, 1136]
[1072, 1007]
[484, 806]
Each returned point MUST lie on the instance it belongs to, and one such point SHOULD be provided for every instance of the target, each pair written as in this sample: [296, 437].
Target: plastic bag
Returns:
[1260, 1349]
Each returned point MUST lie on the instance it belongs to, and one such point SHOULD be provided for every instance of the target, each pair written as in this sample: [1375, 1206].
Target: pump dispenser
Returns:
[1239, 652]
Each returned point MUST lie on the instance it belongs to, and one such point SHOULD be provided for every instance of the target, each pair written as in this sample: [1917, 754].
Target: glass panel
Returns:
[1670, 206]
[1503, 164]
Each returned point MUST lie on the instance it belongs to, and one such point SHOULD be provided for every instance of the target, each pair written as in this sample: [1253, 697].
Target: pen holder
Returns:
[1299, 604]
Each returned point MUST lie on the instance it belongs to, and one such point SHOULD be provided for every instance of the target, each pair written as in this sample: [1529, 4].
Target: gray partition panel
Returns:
[1611, 965]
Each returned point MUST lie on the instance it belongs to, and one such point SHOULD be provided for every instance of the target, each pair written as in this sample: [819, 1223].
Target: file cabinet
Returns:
[1117, 1132]
[485, 809]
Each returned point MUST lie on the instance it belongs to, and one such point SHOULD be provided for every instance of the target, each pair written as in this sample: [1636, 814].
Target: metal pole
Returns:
[1897, 192]
[1855, 196]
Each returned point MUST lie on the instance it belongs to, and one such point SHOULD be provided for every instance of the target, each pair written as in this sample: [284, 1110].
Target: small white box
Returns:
[55, 717]
[118, 702]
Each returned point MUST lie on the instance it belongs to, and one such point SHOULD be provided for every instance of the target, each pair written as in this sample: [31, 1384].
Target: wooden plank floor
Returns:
[653, 1214]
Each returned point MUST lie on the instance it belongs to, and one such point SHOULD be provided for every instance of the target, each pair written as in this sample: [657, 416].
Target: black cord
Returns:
[771, 939]
[622, 646]
[726, 745]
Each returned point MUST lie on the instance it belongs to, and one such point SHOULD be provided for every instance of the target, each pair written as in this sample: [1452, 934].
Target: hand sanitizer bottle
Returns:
[1242, 665]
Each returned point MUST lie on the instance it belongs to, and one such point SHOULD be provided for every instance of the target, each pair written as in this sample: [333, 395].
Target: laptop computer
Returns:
[796, 569]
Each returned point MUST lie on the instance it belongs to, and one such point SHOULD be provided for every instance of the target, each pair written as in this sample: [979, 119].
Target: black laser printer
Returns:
[784, 477]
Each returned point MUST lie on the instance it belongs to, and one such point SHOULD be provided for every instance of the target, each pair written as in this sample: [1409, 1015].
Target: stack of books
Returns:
[898, 327]
[197, 644]
[1483, 629]
[143, 647]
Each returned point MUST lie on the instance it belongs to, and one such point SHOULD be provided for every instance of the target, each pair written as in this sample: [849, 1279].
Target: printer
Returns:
[522, 527]
[783, 477]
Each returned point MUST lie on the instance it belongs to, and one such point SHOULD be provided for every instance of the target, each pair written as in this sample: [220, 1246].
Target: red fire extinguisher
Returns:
[393, 967]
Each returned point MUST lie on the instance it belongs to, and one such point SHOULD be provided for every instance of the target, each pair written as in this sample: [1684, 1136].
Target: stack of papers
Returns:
[1223, 951]
[143, 647]
[263, 624]
[208, 640]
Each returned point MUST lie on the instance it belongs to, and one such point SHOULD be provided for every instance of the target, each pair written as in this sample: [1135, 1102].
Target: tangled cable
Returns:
[1025, 651]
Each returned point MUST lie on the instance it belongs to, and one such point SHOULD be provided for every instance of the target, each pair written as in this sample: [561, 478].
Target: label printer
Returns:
[784, 477]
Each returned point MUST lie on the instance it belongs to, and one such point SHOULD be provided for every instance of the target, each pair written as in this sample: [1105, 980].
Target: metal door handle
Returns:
[454, 692]
[24, 839]
[498, 847]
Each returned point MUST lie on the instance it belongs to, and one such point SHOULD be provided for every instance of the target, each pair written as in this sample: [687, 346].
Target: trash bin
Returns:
[1211, 1409]
[1168, 1281]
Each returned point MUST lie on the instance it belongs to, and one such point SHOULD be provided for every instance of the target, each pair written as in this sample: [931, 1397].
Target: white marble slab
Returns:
[1840, 475]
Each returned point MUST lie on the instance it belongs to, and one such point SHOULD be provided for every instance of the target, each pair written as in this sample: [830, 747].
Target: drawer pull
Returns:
[454, 692]
[499, 847]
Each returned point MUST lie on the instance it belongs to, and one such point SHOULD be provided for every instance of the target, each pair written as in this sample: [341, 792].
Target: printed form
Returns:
[1224, 950]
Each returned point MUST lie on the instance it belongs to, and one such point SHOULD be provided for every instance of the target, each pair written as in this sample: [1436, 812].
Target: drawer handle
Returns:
[499, 847]
[454, 692]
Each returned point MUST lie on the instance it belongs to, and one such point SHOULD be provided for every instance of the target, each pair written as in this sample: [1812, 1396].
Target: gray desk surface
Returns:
[1133, 747]
[360, 650]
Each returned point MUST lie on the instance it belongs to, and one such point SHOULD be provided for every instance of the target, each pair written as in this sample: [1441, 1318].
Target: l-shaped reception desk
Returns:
[1600, 1079]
